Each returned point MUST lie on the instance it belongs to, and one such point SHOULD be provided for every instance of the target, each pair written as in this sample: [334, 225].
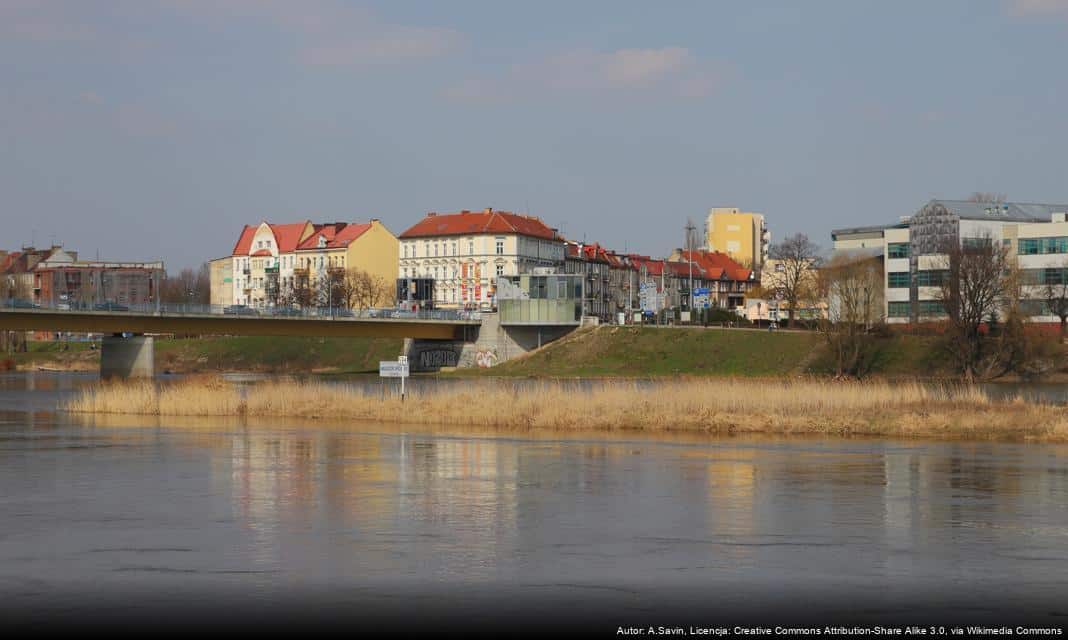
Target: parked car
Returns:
[240, 310]
[23, 304]
[110, 306]
[336, 312]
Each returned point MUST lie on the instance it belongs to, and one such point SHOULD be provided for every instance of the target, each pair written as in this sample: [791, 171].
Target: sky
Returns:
[141, 129]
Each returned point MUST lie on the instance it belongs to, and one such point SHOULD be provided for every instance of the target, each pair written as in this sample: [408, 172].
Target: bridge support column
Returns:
[130, 357]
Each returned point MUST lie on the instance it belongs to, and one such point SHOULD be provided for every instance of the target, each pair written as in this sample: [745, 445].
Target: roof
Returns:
[338, 235]
[486, 221]
[261, 252]
[587, 252]
[717, 265]
[286, 237]
[1010, 211]
[849, 231]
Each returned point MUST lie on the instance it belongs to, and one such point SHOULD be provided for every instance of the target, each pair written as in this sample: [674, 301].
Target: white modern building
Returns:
[1037, 234]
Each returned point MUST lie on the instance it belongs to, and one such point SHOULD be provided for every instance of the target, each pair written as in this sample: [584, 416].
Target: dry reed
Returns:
[714, 406]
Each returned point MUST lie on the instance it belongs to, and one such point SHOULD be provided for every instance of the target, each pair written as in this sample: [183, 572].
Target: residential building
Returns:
[466, 252]
[221, 277]
[743, 236]
[777, 277]
[727, 280]
[84, 283]
[270, 261]
[17, 267]
[913, 262]
[592, 262]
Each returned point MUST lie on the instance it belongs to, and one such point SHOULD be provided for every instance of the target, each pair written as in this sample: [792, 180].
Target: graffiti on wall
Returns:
[432, 359]
[485, 358]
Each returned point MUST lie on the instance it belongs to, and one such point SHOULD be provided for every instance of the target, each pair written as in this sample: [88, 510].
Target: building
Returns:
[743, 236]
[62, 282]
[592, 262]
[466, 252]
[913, 265]
[273, 264]
[221, 277]
[16, 268]
[728, 281]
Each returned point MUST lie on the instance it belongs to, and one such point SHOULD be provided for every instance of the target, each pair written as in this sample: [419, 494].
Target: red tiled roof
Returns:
[244, 242]
[718, 264]
[261, 252]
[336, 237]
[488, 221]
[286, 237]
[9, 261]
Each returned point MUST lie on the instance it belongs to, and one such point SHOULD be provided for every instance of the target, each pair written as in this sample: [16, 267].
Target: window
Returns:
[931, 278]
[405, 251]
[500, 246]
[897, 280]
[975, 243]
[435, 249]
[931, 308]
[470, 247]
[426, 248]
[897, 250]
[500, 269]
[453, 247]
[1039, 246]
[897, 309]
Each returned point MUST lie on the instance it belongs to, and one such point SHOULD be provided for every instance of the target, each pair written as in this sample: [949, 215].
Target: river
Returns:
[185, 520]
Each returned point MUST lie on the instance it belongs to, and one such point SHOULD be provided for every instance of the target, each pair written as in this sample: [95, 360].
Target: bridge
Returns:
[127, 347]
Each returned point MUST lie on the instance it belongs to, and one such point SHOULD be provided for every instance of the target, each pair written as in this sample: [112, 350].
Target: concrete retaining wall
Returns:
[494, 344]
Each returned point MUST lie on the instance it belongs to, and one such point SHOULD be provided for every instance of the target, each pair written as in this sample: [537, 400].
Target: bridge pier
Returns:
[131, 357]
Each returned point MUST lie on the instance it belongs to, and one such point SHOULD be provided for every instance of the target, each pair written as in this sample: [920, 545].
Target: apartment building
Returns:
[270, 261]
[742, 235]
[914, 266]
[466, 252]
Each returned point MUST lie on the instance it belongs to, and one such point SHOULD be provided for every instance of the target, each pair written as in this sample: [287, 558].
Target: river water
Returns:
[185, 520]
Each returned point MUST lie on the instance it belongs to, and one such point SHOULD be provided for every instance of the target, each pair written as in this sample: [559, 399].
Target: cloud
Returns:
[330, 33]
[666, 72]
[1038, 7]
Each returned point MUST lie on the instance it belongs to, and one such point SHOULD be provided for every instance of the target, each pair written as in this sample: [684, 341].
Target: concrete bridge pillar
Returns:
[130, 357]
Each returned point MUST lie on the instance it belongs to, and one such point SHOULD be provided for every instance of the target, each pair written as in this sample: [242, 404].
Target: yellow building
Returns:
[742, 235]
[271, 261]
[222, 277]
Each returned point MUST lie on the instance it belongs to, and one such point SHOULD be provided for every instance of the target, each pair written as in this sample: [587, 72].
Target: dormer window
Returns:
[322, 242]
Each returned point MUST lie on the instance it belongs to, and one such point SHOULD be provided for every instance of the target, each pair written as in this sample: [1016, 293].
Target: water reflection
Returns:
[133, 502]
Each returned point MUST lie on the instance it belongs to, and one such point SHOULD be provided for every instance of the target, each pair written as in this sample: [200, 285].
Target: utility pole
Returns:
[690, 228]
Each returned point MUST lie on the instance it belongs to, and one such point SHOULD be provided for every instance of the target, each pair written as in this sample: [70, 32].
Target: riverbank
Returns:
[218, 354]
[728, 406]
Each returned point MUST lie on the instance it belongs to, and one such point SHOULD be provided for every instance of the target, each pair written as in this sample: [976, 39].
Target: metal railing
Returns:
[242, 311]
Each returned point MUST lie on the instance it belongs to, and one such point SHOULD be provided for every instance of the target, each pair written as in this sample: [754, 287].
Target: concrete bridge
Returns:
[433, 339]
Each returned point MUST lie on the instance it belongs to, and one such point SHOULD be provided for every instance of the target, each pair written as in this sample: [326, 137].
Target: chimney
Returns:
[374, 220]
[488, 210]
[431, 214]
[464, 212]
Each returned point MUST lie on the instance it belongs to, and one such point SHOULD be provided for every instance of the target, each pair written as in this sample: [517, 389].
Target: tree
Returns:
[980, 284]
[188, 287]
[362, 290]
[793, 274]
[853, 286]
[1055, 295]
[14, 287]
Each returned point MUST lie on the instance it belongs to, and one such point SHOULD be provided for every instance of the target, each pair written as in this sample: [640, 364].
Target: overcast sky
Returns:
[142, 129]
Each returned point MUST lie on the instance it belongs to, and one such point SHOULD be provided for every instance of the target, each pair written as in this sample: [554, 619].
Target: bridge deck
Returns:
[205, 323]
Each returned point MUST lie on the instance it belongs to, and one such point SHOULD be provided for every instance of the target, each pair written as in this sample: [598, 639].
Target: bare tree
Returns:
[188, 287]
[362, 290]
[13, 287]
[980, 286]
[987, 197]
[794, 272]
[853, 286]
[1055, 295]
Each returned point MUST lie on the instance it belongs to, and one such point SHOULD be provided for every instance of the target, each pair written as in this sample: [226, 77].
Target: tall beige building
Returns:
[742, 235]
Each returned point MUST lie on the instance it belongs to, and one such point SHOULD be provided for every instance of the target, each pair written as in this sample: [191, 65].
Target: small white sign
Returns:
[392, 369]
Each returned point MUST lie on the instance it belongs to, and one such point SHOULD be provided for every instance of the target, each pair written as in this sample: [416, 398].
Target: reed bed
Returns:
[713, 406]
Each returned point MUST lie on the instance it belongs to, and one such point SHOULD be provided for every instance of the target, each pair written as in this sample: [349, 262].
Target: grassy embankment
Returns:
[609, 351]
[217, 354]
[724, 406]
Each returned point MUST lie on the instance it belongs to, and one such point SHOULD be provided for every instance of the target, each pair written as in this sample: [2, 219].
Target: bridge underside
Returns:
[109, 323]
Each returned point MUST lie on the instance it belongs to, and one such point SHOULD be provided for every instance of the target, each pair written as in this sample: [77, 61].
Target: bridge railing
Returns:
[184, 309]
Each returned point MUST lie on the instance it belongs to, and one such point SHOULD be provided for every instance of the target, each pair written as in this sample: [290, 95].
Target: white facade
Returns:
[465, 267]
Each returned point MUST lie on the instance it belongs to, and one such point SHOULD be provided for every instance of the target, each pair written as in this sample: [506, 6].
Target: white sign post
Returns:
[394, 369]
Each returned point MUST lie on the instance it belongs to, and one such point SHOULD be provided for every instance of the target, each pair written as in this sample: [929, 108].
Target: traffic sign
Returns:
[393, 369]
